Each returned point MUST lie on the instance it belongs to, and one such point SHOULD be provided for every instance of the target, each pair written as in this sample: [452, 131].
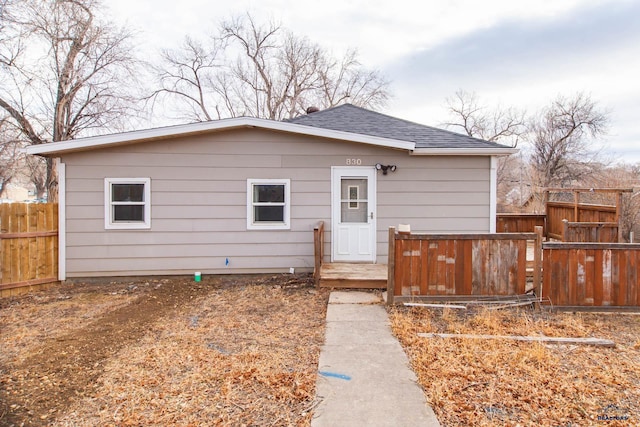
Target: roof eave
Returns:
[464, 151]
[56, 148]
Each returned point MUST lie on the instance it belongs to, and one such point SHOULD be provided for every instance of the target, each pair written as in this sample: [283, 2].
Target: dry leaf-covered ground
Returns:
[225, 351]
[498, 382]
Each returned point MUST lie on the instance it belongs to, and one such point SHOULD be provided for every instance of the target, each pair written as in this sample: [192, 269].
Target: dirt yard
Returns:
[476, 382]
[239, 350]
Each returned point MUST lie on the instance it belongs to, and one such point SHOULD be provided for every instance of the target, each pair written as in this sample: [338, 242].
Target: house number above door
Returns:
[354, 162]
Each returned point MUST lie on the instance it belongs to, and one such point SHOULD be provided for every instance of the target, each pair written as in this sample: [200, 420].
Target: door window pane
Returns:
[349, 183]
[354, 206]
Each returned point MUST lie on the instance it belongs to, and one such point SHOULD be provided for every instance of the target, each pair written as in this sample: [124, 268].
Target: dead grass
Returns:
[242, 350]
[29, 320]
[242, 356]
[493, 382]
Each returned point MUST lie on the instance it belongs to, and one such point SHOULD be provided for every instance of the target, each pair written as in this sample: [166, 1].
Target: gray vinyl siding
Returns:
[198, 201]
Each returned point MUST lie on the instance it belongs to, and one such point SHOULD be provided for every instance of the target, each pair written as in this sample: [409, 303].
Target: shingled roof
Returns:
[349, 118]
[345, 122]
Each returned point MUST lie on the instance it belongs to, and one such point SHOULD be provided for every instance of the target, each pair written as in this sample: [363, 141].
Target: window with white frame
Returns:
[268, 204]
[127, 203]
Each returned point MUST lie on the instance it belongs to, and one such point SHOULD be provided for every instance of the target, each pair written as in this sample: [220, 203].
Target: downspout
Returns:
[493, 194]
[62, 215]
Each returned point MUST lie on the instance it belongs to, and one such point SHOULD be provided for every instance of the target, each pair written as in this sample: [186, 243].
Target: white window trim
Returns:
[62, 219]
[286, 224]
[108, 212]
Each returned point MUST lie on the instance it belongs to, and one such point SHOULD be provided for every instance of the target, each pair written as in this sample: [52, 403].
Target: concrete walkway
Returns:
[364, 376]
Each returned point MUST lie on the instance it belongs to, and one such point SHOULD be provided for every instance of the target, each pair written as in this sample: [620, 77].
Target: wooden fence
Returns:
[595, 232]
[599, 216]
[520, 223]
[569, 275]
[580, 212]
[592, 274]
[28, 246]
[587, 222]
[445, 266]
[595, 223]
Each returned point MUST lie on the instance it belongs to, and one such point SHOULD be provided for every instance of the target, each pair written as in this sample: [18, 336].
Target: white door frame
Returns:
[338, 172]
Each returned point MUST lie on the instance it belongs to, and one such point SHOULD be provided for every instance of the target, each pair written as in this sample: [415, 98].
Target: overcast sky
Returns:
[515, 53]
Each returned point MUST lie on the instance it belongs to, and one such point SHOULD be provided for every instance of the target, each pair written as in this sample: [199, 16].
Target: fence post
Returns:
[546, 212]
[391, 266]
[565, 230]
[318, 251]
[537, 262]
[618, 209]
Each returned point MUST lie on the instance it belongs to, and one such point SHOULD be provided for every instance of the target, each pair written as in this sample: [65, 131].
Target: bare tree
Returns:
[9, 154]
[504, 125]
[190, 74]
[36, 168]
[347, 81]
[65, 72]
[271, 74]
[8, 49]
[560, 138]
[263, 71]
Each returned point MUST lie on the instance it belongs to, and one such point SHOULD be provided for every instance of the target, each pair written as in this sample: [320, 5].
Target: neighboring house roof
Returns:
[345, 123]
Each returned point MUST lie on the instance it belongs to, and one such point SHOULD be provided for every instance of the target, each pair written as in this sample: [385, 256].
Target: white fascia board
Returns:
[464, 151]
[202, 127]
[493, 194]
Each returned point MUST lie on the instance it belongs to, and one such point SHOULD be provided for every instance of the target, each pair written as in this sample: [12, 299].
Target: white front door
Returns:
[353, 222]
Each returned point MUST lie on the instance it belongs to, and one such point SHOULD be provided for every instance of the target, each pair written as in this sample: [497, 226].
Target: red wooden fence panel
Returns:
[596, 232]
[559, 211]
[520, 223]
[463, 264]
[591, 274]
[573, 274]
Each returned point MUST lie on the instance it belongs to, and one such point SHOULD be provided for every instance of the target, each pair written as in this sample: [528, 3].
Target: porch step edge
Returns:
[354, 283]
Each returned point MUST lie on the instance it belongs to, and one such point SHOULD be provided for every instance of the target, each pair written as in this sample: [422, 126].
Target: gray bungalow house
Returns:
[242, 195]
